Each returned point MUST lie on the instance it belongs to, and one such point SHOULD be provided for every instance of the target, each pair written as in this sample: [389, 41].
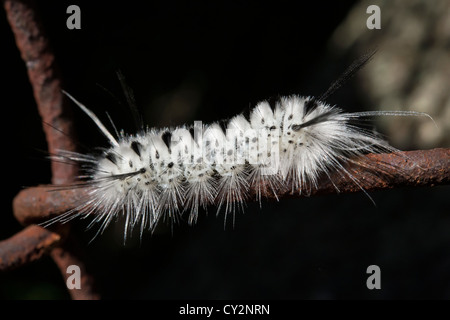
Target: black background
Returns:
[234, 54]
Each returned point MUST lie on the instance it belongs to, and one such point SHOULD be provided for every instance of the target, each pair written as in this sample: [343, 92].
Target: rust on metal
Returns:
[45, 79]
[373, 172]
[392, 170]
[54, 109]
[385, 171]
[27, 246]
[33, 205]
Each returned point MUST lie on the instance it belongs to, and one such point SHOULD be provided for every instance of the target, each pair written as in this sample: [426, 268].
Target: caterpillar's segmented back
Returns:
[166, 173]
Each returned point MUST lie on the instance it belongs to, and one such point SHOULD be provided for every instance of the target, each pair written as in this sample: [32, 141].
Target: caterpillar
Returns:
[161, 174]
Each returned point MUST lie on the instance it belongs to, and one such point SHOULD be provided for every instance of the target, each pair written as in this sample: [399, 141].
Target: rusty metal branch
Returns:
[421, 168]
[36, 204]
[27, 246]
[373, 172]
[45, 79]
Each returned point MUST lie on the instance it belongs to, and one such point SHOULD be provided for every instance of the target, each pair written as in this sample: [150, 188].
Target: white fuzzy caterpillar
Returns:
[162, 173]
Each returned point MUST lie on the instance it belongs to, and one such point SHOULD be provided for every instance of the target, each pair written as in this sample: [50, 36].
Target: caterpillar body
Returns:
[159, 174]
